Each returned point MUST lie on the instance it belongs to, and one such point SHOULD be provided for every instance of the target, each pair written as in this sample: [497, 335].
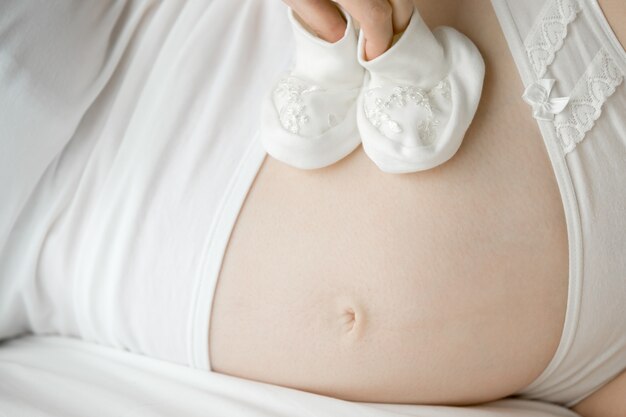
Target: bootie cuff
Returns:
[324, 63]
[416, 58]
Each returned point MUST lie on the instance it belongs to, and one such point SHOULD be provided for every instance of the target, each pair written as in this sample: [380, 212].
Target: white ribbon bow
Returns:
[537, 95]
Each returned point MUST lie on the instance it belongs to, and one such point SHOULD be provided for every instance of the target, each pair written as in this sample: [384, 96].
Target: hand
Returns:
[379, 20]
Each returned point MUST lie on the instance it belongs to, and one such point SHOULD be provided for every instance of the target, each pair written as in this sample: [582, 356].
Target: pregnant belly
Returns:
[373, 287]
[447, 286]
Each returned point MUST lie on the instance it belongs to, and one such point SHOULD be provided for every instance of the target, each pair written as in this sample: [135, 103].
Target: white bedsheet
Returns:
[62, 377]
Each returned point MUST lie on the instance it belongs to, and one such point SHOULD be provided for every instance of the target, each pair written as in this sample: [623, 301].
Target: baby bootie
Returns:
[419, 97]
[309, 119]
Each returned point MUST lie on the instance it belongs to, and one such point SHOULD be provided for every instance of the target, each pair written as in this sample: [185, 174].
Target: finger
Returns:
[375, 17]
[401, 15]
[322, 17]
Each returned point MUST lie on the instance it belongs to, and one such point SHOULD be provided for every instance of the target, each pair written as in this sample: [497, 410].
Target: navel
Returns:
[349, 319]
[350, 316]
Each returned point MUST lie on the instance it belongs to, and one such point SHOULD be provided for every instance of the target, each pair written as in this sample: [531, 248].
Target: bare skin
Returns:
[427, 288]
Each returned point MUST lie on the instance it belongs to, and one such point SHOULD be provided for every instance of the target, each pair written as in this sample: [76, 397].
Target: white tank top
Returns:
[570, 42]
[128, 144]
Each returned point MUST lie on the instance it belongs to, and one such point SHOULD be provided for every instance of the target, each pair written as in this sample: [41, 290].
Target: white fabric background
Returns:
[123, 131]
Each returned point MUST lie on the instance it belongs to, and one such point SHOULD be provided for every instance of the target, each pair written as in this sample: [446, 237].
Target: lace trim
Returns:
[288, 96]
[597, 84]
[547, 35]
[378, 116]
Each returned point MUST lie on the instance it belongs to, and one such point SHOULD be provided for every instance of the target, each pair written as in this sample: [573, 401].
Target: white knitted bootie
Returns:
[309, 119]
[419, 98]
